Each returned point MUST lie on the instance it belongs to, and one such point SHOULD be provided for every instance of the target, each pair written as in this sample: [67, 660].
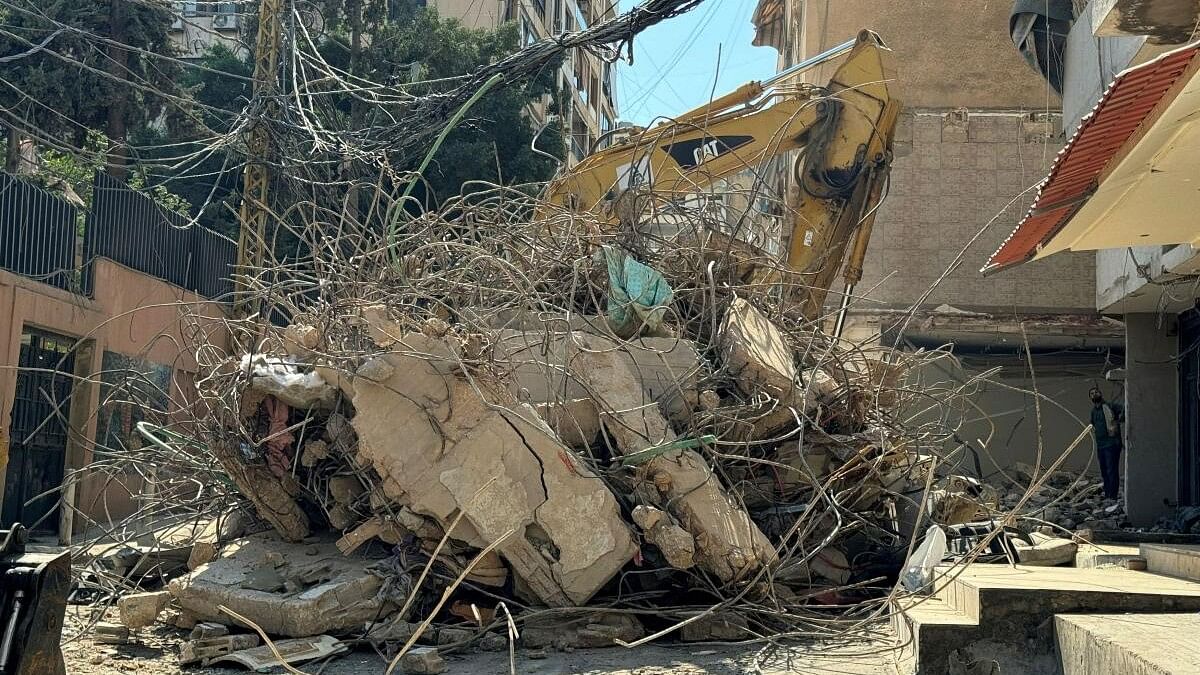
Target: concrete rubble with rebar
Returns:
[448, 442]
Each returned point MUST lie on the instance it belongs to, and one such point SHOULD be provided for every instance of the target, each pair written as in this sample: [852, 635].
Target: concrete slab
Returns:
[998, 581]
[1010, 608]
[1127, 644]
[1092, 556]
[1176, 560]
[922, 626]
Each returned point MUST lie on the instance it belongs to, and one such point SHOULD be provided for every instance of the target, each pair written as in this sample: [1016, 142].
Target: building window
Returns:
[540, 6]
[528, 37]
[558, 17]
[206, 8]
[580, 19]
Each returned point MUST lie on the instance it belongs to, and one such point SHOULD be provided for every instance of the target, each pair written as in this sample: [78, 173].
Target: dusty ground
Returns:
[154, 651]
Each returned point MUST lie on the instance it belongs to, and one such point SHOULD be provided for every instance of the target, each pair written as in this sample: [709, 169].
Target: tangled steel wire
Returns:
[834, 468]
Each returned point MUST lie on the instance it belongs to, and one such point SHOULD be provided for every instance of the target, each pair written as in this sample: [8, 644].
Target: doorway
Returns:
[38, 444]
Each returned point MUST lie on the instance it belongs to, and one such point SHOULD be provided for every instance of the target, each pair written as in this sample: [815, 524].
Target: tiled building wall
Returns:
[954, 173]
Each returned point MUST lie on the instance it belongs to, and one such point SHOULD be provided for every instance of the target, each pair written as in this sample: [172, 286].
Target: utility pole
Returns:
[257, 177]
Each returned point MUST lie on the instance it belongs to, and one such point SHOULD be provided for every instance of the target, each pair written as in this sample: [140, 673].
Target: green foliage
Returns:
[62, 91]
[416, 49]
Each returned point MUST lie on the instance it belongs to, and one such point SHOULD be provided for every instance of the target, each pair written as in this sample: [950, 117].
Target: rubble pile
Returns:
[1066, 499]
[477, 423]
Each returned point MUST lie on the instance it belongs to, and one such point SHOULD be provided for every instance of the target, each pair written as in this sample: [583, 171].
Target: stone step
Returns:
[1174, 560]
[1127, 644]
[1012, 607]
[1091, 556]
[989, 593]
[927, 630]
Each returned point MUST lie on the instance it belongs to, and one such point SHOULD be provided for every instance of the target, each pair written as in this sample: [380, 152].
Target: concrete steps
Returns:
[927, 630]
[1091, 556]
[1014, 607]
[1173, 560]
[1127, 644]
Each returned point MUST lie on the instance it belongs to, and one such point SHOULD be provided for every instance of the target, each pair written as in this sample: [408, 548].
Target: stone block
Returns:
[139, 610]
[446, 443]
[927, 129]
[346, 598]
[423, 661]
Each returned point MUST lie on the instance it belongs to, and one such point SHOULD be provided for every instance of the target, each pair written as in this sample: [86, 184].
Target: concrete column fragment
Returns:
[446, 441]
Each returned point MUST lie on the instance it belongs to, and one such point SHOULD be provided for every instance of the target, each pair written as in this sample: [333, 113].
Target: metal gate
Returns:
[1189, 407]
[38, 443]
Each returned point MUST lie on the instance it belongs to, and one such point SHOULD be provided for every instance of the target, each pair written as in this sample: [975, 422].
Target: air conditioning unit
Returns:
[225, 21]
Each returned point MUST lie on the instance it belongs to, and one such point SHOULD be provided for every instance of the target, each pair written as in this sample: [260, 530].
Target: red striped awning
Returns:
[1130, 105]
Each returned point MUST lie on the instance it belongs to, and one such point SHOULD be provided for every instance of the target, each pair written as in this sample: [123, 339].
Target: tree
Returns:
[98, 71]
[212, 185]
[413, 48]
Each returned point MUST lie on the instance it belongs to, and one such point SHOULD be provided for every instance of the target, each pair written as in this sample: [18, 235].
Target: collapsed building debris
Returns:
[472, 440]
[311, 590]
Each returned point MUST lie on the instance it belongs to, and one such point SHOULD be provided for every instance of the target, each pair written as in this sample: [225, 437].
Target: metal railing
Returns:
[37, 233]
[130, 228]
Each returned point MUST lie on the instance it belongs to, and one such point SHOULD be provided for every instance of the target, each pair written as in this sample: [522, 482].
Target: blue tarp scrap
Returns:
[638, 295]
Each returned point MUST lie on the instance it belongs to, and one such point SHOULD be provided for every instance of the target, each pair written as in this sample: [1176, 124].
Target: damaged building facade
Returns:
[81, 318]
[1129, 87]
[978, 130]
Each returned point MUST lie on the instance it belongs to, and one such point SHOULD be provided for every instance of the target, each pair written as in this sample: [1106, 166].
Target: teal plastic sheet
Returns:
[638, 295]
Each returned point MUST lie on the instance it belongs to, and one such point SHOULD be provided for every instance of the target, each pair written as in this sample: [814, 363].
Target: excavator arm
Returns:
[845, 129]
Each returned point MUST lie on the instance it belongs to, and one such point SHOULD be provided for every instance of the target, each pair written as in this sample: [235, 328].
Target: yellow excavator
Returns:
[844, 130]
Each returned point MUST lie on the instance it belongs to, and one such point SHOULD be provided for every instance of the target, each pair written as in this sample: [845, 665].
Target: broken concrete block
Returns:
[666, 369]
[206, 630]
[205, 650]
[489, 571]
[314, 451]
[755, 351]
[383, 330]
[675, 543]
[260, 659]
[346, 489]
[370, 529]
[599, 629]
[493, 642]
[376, 370]
[301, 339]
[287, 382]
[728, 543]
[442, 443]
[629, 415]
[434, 327]
[1046, 551]
[423, 661]
[575, 421]
[139, 610]
[332, 593]
[273, 499]
[110, 634]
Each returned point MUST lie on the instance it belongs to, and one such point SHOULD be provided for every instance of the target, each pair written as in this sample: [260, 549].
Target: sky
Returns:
[675, 62]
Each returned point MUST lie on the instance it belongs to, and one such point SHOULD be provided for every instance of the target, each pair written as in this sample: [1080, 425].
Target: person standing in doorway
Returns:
[1106, 425]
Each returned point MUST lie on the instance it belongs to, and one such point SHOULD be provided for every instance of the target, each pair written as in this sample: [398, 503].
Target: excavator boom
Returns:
[844, 127]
